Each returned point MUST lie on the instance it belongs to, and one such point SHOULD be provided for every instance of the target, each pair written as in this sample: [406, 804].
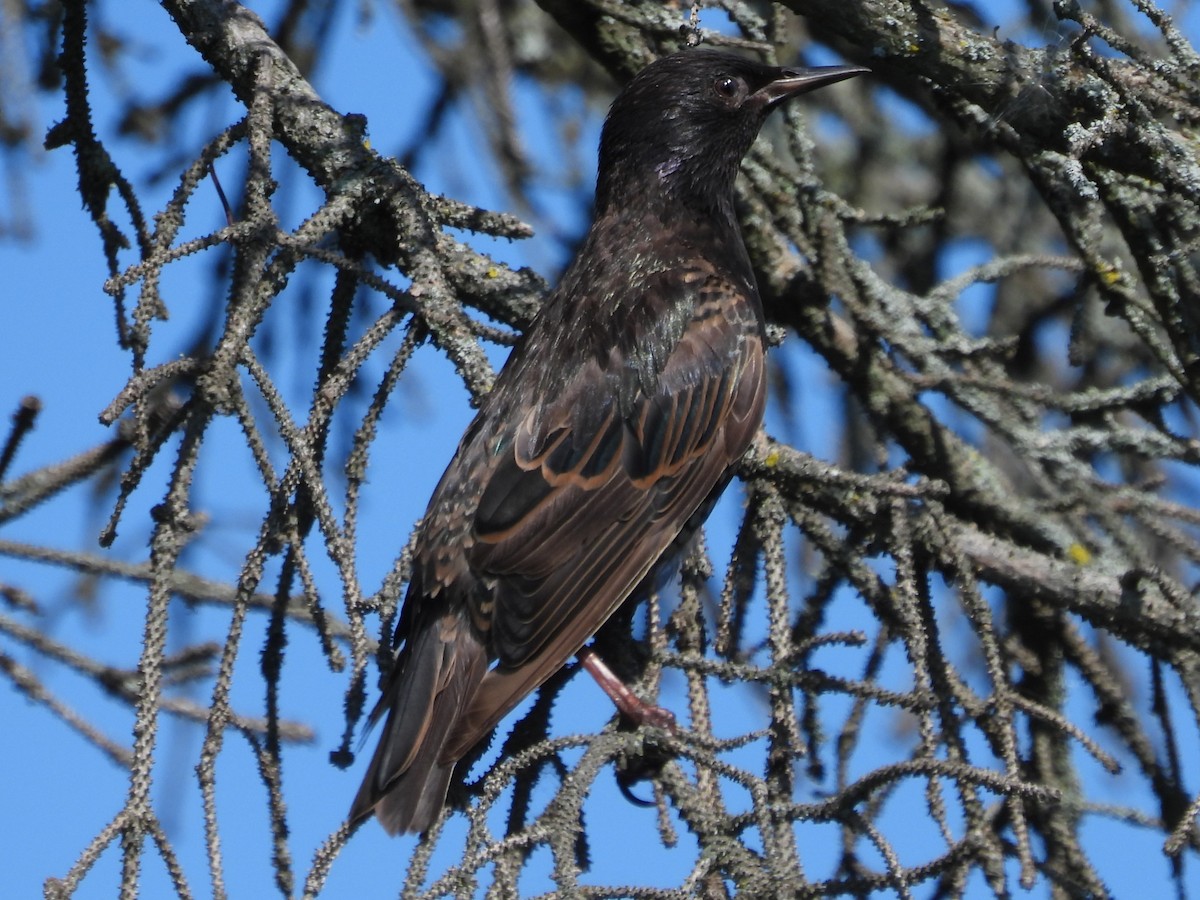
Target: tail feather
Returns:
[406, 782]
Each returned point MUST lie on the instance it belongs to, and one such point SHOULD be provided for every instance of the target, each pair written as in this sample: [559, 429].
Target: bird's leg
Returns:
[630, 704]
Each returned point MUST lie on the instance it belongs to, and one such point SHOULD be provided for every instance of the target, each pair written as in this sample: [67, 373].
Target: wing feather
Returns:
[587, 496]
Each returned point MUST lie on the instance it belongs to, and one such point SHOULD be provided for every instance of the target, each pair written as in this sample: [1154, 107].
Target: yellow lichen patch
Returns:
[1108, 274]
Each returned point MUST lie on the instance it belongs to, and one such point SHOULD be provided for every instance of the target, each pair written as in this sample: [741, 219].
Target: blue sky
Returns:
[59, 344]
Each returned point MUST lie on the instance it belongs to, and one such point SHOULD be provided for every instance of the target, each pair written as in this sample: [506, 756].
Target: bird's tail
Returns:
[406, 783]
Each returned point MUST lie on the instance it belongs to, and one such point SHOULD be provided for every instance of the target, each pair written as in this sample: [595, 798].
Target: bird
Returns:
[607, 437]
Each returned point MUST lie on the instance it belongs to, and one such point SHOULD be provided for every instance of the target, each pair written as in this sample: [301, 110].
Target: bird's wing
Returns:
[592, 490]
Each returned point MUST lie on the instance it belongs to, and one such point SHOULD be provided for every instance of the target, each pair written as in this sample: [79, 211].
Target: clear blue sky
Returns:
[58, 342]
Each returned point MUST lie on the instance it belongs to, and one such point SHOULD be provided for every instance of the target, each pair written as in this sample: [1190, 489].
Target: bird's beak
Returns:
[801, 81]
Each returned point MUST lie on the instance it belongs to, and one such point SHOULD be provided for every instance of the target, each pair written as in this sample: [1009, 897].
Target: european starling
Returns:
[608, 436]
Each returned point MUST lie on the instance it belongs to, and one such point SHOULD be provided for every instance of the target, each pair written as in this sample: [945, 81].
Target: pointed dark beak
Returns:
[801, 81]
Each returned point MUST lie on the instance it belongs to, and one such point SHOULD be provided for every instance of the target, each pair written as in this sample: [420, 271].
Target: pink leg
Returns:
[631, 706]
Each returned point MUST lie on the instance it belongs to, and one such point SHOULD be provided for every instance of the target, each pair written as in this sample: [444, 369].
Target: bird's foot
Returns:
[630, 704]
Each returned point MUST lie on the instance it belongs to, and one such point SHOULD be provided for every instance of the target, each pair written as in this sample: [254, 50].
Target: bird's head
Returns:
[683, 124]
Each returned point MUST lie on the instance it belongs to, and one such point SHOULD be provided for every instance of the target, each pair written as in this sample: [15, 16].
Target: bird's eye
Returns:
[726, 87]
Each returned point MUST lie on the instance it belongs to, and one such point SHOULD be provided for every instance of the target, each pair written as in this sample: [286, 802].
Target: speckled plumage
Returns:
[608, 435]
